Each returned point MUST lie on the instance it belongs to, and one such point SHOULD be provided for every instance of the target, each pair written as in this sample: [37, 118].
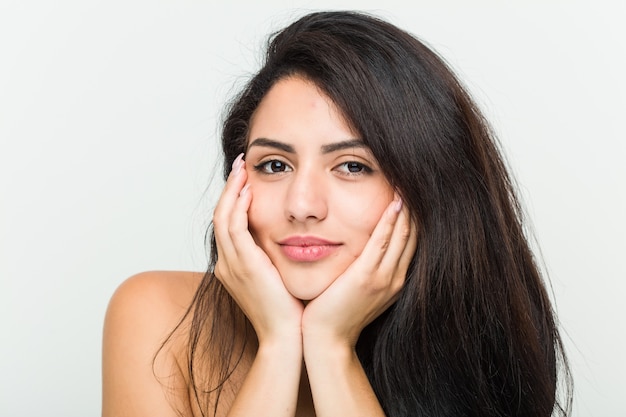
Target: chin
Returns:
[306, 288]
[305, 294]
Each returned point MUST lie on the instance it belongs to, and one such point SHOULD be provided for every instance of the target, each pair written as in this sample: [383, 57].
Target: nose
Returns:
[306, 199]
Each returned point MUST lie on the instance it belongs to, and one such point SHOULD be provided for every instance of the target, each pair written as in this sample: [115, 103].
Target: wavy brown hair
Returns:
[473, 332]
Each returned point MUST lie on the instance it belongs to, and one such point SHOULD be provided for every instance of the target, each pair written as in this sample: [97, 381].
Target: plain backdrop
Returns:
[109, 114]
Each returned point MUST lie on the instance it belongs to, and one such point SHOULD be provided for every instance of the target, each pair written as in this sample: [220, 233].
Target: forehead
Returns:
[296, 107]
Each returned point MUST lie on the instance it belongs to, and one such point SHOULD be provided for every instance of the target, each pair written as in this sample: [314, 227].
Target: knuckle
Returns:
[383, 244]
[233, 229]
[377, 287]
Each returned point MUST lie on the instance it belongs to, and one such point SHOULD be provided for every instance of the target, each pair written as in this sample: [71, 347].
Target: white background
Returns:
[109, 113]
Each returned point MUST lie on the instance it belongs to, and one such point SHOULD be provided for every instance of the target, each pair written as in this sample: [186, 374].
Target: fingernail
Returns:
[244, 190]
[398, 205]
[236, 167]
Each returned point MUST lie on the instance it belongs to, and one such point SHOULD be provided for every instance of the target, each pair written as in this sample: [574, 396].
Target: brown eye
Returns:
[272, 167]
[353, 168]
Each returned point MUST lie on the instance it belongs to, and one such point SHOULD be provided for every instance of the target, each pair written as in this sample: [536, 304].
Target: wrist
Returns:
[327, 347]
[281, 343]
[280, 355]
[274, 332]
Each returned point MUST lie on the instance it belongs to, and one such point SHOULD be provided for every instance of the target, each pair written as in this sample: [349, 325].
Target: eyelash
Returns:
[363, 169]
[265, 166]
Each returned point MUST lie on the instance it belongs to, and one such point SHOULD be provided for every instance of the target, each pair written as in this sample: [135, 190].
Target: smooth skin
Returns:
[305, 363]
[310, 175]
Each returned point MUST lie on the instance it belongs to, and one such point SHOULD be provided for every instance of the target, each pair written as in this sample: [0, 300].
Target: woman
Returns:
[368, 254]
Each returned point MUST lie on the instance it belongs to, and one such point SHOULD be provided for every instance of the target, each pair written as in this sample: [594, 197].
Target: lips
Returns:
[307, 248]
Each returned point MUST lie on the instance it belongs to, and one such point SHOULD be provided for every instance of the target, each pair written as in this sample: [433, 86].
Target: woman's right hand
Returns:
[253, 281]
[246, 271]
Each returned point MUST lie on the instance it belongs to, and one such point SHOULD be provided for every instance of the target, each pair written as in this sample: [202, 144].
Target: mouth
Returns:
[307, 248]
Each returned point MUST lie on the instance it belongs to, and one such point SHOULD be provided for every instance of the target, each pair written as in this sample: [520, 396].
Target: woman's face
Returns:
[317, 191]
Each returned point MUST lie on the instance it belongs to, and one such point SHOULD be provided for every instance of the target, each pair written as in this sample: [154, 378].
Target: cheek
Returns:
[360, 222]
[256, 219]
[262, 211]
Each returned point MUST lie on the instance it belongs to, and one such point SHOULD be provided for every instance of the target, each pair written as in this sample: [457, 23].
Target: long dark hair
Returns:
[473, 332]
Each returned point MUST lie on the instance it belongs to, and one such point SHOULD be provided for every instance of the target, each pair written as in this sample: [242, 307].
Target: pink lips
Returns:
[307, 248]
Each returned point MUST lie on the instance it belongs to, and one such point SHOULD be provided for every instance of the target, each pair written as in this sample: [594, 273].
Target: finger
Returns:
[243, 243]
[234, 183]
[410, 247]
[379, 241]
[224, 208]
[230, 194]
[401, 243]
[238, 226]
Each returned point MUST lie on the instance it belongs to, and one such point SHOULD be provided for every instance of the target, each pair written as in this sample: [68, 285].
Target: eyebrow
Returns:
[269, 143]
[344, 144]
[331, 147]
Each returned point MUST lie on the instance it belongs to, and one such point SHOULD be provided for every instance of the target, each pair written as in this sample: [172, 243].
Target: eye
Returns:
[273, 166]
[353, 168]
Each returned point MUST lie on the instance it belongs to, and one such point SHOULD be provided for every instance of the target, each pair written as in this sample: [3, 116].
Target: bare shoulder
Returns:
[167, 292]
[156, 300]
[142, 313]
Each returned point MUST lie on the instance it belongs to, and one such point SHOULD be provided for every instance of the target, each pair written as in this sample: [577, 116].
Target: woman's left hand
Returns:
[369, 285]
